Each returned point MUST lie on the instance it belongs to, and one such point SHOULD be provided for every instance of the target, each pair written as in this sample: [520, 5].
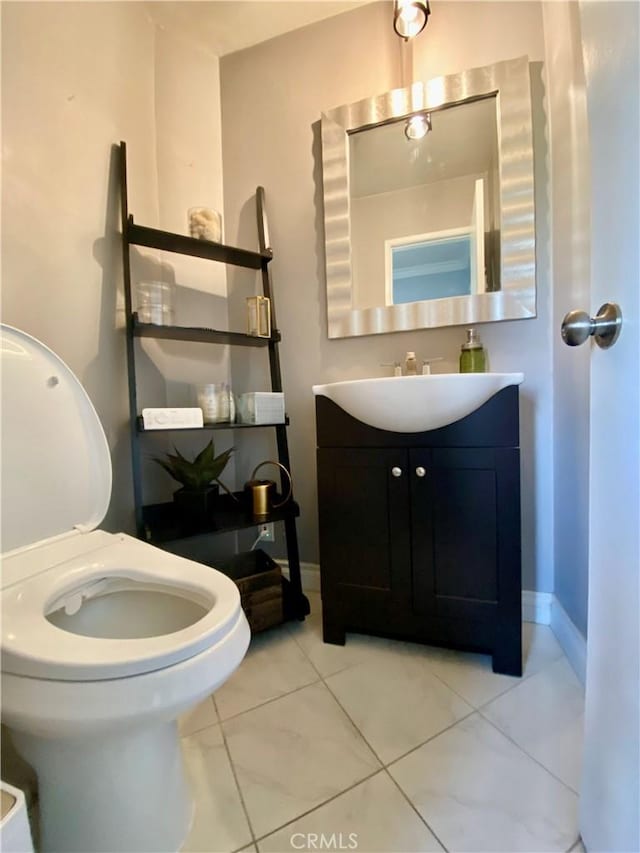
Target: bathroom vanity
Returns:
[420, 531]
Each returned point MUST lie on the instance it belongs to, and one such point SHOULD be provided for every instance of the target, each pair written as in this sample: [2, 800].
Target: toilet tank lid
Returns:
[56, 466]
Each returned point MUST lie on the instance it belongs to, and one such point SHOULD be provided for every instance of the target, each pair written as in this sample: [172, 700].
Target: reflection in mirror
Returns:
[431, 266]
[419, 208]
[429, 215]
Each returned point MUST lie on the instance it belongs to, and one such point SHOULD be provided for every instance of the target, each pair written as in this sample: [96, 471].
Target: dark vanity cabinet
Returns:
[420, 532]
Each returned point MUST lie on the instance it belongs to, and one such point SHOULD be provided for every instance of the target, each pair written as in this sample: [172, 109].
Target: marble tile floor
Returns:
[383, 746]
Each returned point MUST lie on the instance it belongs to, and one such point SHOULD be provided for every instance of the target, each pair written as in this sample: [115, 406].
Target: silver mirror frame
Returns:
[509, 81]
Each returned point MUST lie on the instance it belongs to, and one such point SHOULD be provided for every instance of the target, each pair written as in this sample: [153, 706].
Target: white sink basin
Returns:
[416, 403]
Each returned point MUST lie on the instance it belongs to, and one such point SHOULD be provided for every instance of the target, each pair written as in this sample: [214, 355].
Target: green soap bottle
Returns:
[472, 356]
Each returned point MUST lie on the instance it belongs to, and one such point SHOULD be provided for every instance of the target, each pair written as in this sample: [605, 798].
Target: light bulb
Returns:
[409, 14]
[410, 17]
[418, 126]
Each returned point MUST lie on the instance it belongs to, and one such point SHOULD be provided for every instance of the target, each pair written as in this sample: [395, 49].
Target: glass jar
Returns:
[155, 302]
[216, 401]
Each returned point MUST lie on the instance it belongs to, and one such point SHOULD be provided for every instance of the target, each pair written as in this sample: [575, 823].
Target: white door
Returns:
[610, 794]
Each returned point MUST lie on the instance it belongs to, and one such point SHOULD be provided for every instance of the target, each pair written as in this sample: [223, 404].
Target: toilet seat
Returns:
[56, 463]
[56, 488]
[34, 646]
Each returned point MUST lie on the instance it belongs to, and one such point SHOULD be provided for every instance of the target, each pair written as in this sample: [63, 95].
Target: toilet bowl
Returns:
[106, 640]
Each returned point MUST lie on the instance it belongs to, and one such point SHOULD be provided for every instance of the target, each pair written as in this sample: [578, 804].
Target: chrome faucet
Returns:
[397, 367]
[427, 362]
[411, 367]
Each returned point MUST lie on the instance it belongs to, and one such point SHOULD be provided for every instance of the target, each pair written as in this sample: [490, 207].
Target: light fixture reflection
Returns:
[418, 126]
[410, 17]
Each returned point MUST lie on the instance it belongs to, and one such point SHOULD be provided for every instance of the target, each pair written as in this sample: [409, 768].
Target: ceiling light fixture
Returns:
[418, 126]
[410, 17]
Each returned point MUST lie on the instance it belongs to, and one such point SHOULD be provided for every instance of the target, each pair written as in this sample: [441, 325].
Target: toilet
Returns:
[106, 640]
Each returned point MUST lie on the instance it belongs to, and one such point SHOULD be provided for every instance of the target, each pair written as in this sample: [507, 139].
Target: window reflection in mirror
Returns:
[425, 212]
[432, 268]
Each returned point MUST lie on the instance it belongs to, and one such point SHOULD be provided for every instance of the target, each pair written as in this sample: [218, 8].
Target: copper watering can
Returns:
[260, 494]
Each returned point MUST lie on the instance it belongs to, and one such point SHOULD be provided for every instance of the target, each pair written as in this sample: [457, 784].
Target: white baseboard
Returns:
[545, 609]
[573, 643]
[536, 606]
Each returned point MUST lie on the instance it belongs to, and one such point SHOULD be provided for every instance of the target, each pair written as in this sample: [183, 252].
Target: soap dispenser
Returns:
[472, 355]
[410, 364]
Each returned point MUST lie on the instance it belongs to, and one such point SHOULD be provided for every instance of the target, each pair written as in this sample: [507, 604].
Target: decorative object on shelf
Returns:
[259, 316]
[260, 581]
[260, 494]
[155, 302]
[205, 224]
[200, 479]
[261, 407]
[217, 403]
[164, 418]
[196, 506]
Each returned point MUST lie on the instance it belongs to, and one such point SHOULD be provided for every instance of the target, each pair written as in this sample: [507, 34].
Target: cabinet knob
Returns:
[420, 471]
[397, 472]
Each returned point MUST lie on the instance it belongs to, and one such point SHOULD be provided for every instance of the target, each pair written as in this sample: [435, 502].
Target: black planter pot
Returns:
[196, 506]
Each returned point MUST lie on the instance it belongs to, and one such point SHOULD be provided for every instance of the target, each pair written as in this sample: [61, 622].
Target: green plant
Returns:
[196, 475]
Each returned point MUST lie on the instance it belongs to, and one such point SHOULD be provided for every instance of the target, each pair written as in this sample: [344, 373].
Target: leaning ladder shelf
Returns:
[158, 523]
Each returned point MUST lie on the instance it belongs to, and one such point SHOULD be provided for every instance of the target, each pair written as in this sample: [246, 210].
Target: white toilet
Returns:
[106, 640]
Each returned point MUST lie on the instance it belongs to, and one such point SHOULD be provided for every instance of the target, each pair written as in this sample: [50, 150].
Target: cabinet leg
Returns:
[507, 660]
[305, 608]
[332, 631]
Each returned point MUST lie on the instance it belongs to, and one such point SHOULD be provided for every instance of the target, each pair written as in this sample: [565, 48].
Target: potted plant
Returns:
[199, 478]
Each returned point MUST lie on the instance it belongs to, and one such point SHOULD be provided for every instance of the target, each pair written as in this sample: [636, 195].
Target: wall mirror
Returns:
[429, 204]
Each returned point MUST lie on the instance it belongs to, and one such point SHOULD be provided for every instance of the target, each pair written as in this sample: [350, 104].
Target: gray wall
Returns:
[272, 97]
[570, 176]
[77, 78]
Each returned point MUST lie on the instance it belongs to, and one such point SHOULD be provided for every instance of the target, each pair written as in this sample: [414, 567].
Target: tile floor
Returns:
[383, 746]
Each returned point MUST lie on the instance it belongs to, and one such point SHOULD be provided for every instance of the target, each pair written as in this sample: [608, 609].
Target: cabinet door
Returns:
[364, 528]
[455, 546]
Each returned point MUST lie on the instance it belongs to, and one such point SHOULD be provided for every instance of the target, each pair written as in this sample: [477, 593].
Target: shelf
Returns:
[163, 523]
[225, 425]
[153, 238]
[200, 335]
